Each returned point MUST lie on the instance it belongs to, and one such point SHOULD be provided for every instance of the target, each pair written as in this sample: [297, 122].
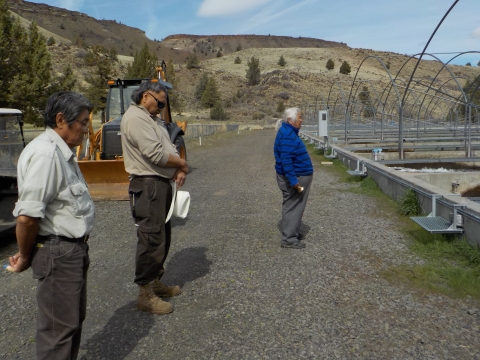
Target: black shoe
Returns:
[297, 245]
[300, 237]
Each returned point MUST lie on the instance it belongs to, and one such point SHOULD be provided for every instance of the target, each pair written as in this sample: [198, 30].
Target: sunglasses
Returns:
[160, 104]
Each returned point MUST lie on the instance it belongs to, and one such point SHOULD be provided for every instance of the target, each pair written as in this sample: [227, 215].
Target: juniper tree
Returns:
[144, 64]
[345, 68]
[281, 61]
[210, 95]
[65, 82]
[253, 71]
[364, 97]
[12, 44]
[217, 112]
[113, 53]
[202, 84]
[98, 77]
[28, 89]
[192, 61]
[330, 64]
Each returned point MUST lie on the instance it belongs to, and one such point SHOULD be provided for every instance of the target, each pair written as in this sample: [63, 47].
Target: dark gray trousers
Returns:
[150, 200]
[293, 206]
[61, 269]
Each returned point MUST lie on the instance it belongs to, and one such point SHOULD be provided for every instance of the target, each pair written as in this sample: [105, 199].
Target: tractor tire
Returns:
[181, 148]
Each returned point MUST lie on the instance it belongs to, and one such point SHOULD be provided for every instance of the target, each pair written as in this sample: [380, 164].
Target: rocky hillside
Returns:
[78, 27]
[303, 81]
[211, 44]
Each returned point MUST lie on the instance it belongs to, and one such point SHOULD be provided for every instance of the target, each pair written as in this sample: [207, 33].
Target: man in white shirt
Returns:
[55, 215]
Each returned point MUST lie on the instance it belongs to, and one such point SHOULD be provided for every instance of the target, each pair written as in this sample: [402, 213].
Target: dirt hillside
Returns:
[303, 81]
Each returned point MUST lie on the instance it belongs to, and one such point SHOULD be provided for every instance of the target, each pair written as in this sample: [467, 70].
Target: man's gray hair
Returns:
[155, 87]
[69, 103]
[290, 113]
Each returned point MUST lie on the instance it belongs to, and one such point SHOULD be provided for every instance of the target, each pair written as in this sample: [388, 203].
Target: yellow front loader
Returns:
[100, 158]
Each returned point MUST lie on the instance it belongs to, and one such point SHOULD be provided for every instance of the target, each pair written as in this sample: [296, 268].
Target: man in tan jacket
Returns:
[152, 161]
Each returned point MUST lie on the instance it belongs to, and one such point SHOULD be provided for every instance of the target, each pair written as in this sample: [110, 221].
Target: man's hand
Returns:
[26, 231]
[176, 162]
[19, 263]
[184, 168]
[298, 187]
[179, 178]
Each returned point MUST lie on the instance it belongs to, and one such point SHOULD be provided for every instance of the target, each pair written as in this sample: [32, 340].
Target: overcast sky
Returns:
[402, 26]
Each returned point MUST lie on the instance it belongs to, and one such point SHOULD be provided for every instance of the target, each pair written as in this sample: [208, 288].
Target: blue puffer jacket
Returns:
[291, 156]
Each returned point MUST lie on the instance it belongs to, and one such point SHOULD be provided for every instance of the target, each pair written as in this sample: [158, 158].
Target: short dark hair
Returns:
[155, 87]
[69, 103]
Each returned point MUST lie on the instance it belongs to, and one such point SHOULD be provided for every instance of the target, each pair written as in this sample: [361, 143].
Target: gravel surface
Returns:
[245, 297]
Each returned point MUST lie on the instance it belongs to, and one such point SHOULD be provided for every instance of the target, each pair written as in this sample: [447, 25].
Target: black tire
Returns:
[181, 148]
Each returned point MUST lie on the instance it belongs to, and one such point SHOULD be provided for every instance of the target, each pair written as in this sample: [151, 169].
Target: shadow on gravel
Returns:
[120, 335]
[187, 265]
[178, 222]
[191, 169]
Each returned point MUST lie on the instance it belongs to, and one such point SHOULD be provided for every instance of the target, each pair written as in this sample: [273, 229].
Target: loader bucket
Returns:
[106, 179]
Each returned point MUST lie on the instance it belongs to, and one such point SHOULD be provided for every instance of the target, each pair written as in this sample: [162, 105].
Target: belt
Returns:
[83, 239]
[154, 177]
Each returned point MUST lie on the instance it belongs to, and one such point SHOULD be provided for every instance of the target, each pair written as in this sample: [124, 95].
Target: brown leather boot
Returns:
[147, 301]
[163, 290]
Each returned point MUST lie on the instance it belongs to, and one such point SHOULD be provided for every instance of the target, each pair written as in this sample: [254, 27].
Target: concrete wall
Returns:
[393, 154]
[394, 183]
[465, 180]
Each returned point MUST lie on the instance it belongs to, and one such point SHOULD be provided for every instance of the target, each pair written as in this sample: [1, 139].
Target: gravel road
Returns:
[245, 297]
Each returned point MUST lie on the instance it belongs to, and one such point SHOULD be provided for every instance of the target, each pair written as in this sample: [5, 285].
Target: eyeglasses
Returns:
[84, 124]
[160, 104]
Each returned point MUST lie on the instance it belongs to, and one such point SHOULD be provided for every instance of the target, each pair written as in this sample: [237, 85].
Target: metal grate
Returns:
[436, 224]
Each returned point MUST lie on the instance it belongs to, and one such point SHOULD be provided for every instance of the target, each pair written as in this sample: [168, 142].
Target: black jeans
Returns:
[61, 269]
[150, 200]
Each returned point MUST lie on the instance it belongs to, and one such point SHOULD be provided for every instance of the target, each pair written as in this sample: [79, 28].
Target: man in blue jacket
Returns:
[294, 176]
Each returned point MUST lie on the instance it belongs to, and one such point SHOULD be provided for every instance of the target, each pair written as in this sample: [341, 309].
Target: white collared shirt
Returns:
[51, 187]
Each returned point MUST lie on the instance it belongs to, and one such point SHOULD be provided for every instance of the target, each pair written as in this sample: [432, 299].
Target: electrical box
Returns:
[323, 123]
